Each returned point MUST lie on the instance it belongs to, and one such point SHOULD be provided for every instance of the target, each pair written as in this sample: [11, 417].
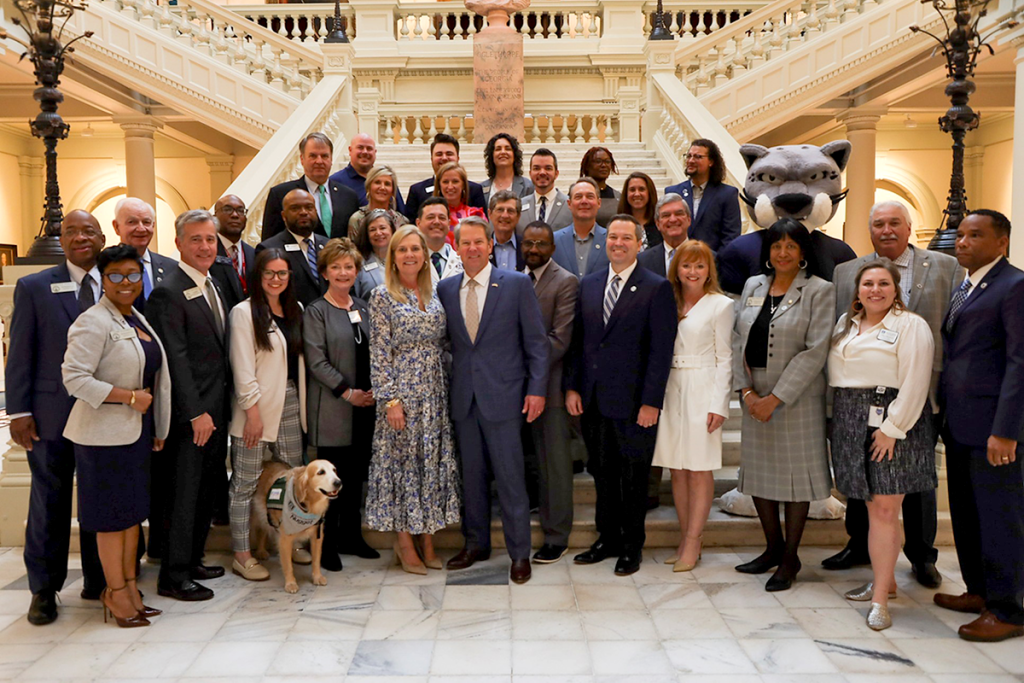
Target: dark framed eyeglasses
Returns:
[530, 244]
[278, 274]
[118, 278]
[232, 209]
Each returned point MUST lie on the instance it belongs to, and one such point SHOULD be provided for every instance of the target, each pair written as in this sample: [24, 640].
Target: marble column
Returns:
[1017, 206]
[498, 78]
[221, 175]
[33, 197]
[861, 131]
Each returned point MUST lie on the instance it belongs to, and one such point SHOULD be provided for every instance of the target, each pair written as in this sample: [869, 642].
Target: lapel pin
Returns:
[494, 284]
[160, 270]
[633, 288]
[925, 264]
[983, 285]
[597, 246]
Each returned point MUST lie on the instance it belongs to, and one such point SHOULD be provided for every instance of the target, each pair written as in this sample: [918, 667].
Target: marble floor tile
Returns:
[471, 657]
[68, 621]
[313, 659]
[379, 659]
[471, 679]
[742, 595]
[948, 656]
[712, 656]
[762, 622]
[340, 596]
[867, 655]
[684, 624]
[605, 597]
[811, 594]
[1008, 654]
[629, 657]
[975, 678]
[719, 678]
[232, 659]
[556, 574]
[476, 597]
[602, 572]
[74, 660]
[14, 659]
[618, 625]
[15, 602]
[721, 573]
[529, 678]
[246, 626]
[343, 625]
[899, 678]
[674, 596]
[546, 625]
[494, 572]
[787, 656]
[530, 596]
[183, 628]
[913, 622]
[394, 576]
[384, 679]
[653, 570]
[410, 597]
[399, 625]
[550, 658]
[154, 660]
[475, 625]
[833, 623]
[94, 630]
[803, 678]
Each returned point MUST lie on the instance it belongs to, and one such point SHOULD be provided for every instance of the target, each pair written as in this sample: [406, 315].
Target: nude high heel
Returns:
[431, 564]
[681, 566]
[406, 567]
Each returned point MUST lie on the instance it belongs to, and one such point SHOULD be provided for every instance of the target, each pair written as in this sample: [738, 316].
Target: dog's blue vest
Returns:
[294, 519]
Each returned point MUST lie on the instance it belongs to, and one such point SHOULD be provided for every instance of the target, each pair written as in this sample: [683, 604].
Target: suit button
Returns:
[769, 355]
[771, 345]
[771, 336]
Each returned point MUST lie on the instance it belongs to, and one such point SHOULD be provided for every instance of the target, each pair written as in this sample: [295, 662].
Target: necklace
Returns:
[774, 301]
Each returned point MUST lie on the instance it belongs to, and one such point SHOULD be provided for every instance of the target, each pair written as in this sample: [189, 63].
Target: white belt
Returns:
[693, 361]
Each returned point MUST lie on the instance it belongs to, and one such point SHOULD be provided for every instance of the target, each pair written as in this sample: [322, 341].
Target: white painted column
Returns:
[1017, 206]
[140, 159]
[33, 197]
[861, 131]
[221, 174]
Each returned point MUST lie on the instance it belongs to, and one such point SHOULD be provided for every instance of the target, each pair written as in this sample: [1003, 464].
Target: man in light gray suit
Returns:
[927, 281]
[580, 246]
[547, 203]
[499, 373]
[556, 290]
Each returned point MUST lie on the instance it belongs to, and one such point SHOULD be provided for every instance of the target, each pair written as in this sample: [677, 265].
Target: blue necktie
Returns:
[957, 303]
[435, 258]
[311, 257]
[147, 283]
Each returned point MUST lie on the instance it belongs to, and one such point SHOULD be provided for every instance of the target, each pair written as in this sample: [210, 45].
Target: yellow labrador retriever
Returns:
[293, 503]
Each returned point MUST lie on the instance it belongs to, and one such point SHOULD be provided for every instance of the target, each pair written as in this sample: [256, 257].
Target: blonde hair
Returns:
[692, 251]
[339, 247]
[457, 167]
[424, 285]
[377, 172]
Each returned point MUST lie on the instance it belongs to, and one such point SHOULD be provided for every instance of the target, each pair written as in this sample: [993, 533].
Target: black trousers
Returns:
[48, 530]
[919, 526]
[620, 453]
[343, 523]
[986, 505]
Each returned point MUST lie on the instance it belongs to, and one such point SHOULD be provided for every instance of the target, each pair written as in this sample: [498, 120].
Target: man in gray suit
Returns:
[580, 246]
[547, 203]
[499, 372]
[556, 290]
[927, 281]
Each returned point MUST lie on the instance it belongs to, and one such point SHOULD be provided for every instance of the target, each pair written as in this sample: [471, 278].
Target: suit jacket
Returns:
[508, 360]
[452, 266]
[801, 332]
[196, 354]
[102, 356]
[557, 213]
[424, 189]
[351, 179]
[718, 217]
[38, 340]
[556, 292]
[983, 363]
[741, 260]
[625, 364]
[307, 288]
[565, 251]
[223, 271]
[344, 203]
[162, 267]
[521, 186]
[520, 261]
[653, 259]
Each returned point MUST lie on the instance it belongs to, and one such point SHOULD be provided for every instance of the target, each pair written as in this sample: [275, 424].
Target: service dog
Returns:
[292, 503]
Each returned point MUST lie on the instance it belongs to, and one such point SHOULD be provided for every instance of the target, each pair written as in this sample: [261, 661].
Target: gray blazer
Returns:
[556, 292]
[104, 352]
[331, 360]
[557, 215]
[370, 275]
[521, 186]
[801, 332]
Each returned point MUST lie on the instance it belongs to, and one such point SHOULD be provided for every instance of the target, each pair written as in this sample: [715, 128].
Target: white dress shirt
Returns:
[669, 255]
[698, 195]
[200, 281]
[228, 246]
[314, 190]
[78, 274]
[624, 275]
[483, 280]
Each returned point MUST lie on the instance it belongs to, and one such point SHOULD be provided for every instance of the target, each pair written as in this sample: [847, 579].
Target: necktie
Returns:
[147, 283]
[610, 297]
[671, 255]
[543, 212]
[533, 277]
[214, 301]
[435, 258]
[957, 303]
[326, 213]
[311, 257]
[237, 260]
[86, 297]
[472, 311]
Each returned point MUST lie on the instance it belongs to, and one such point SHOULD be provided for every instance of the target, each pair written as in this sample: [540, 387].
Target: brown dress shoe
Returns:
[520, 572]
[989, 629]
[965, 602]
[467, 558]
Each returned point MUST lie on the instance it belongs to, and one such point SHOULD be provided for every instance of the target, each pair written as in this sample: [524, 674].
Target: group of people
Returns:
[415, 342]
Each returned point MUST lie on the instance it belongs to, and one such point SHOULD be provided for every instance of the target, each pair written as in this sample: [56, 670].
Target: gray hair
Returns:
[504, 196]
[668, 199]
[125, 201]
[890, 204]
[475, 220]
[189, 217]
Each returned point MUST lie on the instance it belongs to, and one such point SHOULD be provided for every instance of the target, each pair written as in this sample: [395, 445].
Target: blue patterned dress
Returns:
[414, 476]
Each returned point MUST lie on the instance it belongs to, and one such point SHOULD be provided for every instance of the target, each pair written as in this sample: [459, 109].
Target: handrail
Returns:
[752, 22]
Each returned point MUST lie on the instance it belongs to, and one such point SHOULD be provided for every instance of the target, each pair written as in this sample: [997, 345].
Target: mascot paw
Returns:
[291, 587]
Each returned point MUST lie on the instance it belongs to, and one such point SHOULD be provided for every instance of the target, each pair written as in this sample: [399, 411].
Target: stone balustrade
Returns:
[402, 128]
[688, 20]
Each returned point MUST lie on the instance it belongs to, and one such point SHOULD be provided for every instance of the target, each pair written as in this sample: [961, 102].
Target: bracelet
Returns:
[349, 396]
[393, 402]
[743, 396]
[132, 401]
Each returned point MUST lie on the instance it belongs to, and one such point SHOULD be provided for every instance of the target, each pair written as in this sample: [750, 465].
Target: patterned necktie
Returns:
[147, 283]
[236, 260]
[214, 301]
[472, 311]
[543, 212]
[326, 213]
[957, 303]
[311, 258]
[671, 255]
[435, 258]
[86, 297]
[610, 297]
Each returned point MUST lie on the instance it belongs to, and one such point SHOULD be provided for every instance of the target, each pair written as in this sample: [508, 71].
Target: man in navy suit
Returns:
[135, 224]
[443, 149]
[335, 203]
[362, 155]
[715, 206]
[300, 245]
[45, 306]
[982, 391]
[499, 373]
[672, 216]
[235, 258]
[580, 246]
[615, 379]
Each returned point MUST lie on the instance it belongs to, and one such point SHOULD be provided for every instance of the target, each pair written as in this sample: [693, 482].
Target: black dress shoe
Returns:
[359, 548]
[467, 558]
[91, 593]
[549, 554]
[186, 591]
[520, 572]
[330, 561]
[845, 559]
[43, 609]
[629, 563]
[783, 578]
[205, 573]
[764, 562]
[599, 552]
[926, 574]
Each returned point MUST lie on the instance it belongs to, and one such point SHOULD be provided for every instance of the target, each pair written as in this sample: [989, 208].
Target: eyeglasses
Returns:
[89, 233]
[276, 274]
[530, 244]
[233, 210]
[118, 278]
[601, 162]
[696, 157]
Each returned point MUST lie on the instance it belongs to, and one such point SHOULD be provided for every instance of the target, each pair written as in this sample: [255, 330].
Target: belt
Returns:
[693, 361]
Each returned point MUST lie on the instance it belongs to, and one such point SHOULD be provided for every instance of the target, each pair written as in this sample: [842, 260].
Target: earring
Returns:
[803, 264]
[857, 305]
[768, 265]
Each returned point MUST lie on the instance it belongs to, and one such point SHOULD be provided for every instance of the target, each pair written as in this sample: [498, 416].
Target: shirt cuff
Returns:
[890, 430]
[340, 389]
[15, 416]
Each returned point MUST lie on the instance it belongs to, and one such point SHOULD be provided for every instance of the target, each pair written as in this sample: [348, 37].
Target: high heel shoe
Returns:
[146, 611]
[673, 559]
[431, 564]
[406, 567]
[680, 566]
[133, 621]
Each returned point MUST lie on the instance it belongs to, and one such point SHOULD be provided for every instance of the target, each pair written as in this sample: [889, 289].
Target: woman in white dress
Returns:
[697, 397]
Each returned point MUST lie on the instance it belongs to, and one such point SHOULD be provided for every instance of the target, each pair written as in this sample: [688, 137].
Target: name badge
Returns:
[275, 494]
[62, 287]
[354, 317]
[292, 247]
[876, 416]
[755, 301]
[121, 335]
[526, 207]
[371, 266]
[888, 336]
[193, 293]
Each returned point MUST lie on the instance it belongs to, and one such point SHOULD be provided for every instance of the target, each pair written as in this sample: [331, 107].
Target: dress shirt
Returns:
[979, 275]
[669, 255]
[538, 273]
[505, 253]
[483, 280]
[314, 190]
[302, 242]
[865, 361]
[445, 252]
[623, 277]
[905, 265]
[200, 281]
[147, 265]
[549, 202]
[583, 246]
[698, 194]
[228, 246]
[78, 274]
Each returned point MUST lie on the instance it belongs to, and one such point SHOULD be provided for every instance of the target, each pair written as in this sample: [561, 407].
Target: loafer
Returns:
[965, 602]
[846, 559]
[520, 571]
[301, 556]
[252, 570]
[865, 592]
[988, 628]
[186, 591]
[628, 563]
[878, 618]
[467, 557]
[205, 573]
[43, 609]
[549, 554]
[599, 552]
[926, 574]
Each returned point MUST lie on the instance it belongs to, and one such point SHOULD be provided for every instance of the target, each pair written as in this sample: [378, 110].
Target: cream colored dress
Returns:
[699, 383]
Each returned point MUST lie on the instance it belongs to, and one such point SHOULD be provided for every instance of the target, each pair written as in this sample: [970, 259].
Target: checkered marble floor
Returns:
[569, 624]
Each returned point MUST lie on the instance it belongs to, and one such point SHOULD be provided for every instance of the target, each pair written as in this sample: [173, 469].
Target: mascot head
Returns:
[794, 181]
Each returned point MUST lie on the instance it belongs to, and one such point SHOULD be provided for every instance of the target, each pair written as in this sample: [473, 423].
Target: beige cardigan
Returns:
[261, 377]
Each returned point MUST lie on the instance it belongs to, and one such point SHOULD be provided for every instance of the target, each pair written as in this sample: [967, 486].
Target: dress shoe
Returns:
[926, 574]
[146, 611]
[90, 593]
[467, 557]
[408, 568]
[134, 621]
[549, 554]
[845, 559]
[301, 556]
[965, 602]
[205, 572]
[330, 561]
[252, 570]
[359, 548]
[878, 618]
[186, 591]
[765, 562]
[520, 571]
[599, 552]
[43, 609]
[988, 628]
[865, 592]
[628, 563]
[783, 578]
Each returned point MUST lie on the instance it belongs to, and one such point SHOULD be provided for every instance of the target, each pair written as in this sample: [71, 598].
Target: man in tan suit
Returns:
[556, 289]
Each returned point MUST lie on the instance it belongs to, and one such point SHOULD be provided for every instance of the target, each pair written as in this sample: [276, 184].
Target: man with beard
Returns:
[714, 206]
[301, 246]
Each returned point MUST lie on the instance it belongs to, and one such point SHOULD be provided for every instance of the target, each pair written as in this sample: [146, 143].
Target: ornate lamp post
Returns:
[960, 45]
[659, 31]
[43, 22]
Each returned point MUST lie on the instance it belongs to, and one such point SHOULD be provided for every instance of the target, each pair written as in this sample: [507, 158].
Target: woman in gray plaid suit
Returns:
[783, 328]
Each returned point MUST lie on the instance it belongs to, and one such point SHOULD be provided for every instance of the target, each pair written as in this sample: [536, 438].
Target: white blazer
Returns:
[261, 377]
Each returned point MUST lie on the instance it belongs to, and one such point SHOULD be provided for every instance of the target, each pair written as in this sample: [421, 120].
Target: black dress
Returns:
[113, 481]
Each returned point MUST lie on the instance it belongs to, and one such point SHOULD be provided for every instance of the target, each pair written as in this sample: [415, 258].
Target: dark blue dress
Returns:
[113, 481]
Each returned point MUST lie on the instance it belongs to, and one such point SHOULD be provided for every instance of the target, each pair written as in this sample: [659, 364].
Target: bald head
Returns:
[81, 238]
[134, 223]
[298, 211]
[230, 214]
[362, 153]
